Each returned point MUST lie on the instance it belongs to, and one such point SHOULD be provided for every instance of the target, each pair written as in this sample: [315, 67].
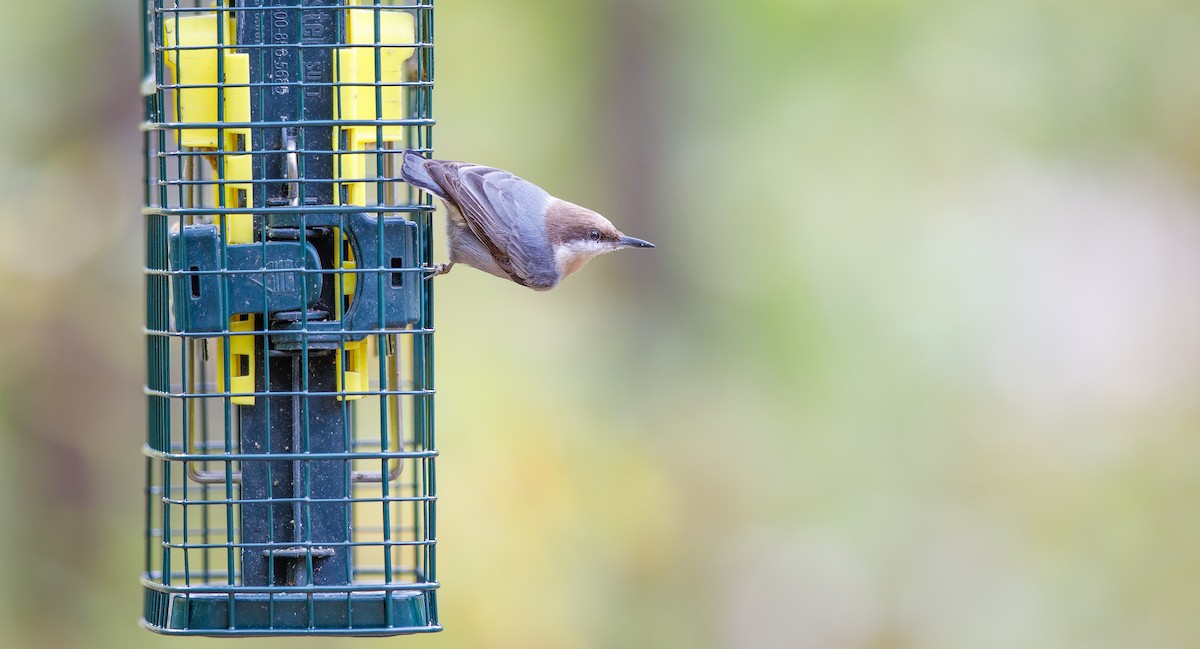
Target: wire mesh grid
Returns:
[290, 452]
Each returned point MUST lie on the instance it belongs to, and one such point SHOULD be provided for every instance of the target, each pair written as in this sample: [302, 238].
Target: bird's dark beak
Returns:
[631, 242]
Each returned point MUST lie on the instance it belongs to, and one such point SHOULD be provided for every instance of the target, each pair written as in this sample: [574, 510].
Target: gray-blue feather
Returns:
[413, 172]
[505, 212]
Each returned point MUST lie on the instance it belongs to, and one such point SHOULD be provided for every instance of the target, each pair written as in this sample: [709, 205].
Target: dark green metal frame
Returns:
[299, 514]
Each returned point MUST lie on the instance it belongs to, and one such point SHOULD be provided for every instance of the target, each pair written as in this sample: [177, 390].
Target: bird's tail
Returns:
[414, 173]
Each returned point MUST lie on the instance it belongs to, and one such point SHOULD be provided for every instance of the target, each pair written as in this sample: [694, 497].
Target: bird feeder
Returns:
[289, 331]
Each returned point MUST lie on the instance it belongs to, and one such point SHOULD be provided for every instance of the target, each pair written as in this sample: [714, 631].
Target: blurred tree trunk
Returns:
[635, 134]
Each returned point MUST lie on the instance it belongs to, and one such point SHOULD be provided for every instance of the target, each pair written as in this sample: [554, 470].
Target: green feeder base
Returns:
[260, 614]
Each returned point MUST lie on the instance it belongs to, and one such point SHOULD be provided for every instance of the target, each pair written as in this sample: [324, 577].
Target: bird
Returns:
[509, 227]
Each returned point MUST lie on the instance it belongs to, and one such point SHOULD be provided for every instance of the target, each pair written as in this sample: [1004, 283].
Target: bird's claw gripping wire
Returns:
[437, 269]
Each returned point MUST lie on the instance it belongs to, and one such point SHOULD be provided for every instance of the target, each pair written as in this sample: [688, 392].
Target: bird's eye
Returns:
[594, 234]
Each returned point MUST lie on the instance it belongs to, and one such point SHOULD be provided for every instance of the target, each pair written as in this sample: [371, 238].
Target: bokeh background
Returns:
[914, 365]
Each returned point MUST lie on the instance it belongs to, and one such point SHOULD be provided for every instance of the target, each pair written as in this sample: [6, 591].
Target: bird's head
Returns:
[578, 234]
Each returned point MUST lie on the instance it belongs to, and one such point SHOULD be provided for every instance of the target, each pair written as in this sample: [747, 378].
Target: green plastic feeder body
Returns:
[289, 334]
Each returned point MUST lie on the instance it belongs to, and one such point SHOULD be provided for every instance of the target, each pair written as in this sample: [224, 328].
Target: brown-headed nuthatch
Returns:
[510, 227]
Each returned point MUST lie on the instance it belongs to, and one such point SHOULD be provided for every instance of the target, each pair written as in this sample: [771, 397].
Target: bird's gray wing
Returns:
[504, 211]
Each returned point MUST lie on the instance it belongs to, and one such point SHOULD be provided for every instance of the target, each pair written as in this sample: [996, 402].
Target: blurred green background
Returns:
[914, 365]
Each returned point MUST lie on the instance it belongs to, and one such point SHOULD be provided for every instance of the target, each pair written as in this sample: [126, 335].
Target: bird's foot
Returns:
[438, 269]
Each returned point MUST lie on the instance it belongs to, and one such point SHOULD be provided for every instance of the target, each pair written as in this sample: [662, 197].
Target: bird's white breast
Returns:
[570, 257]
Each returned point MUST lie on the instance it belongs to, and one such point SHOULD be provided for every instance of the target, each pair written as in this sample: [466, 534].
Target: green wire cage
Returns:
[289, 332]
